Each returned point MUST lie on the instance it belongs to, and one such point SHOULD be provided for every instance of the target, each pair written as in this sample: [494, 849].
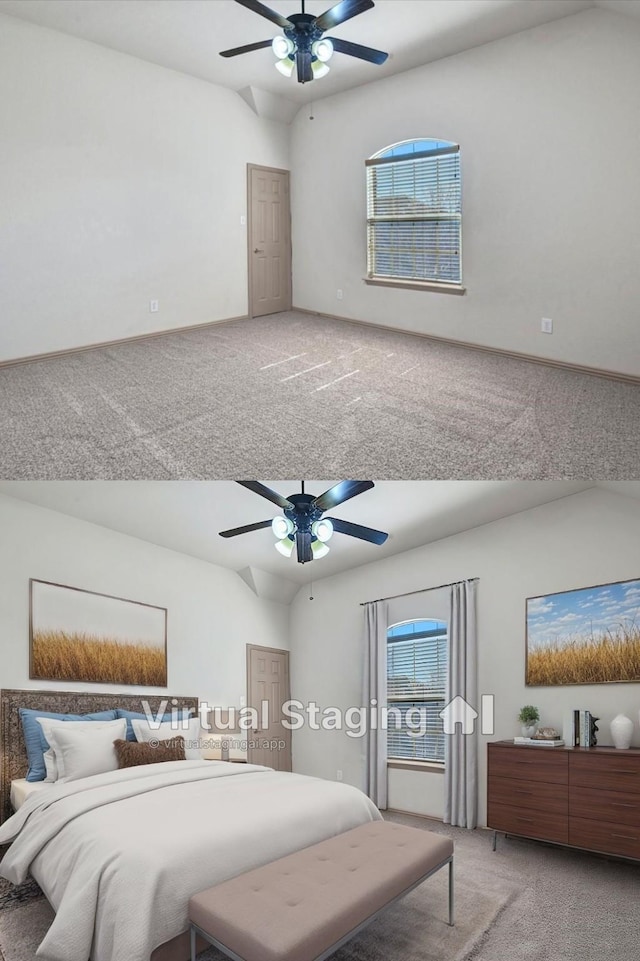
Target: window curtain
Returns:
[461, 749]
[375, 689]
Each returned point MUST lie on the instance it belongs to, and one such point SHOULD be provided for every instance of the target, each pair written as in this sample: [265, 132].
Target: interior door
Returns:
[269, 235]
[268, 683]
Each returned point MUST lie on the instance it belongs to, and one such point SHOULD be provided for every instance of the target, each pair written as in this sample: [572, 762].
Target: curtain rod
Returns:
[423, 590]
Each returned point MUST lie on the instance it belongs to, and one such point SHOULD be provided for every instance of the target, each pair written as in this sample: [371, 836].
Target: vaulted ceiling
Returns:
[187, 35]
[186, 516]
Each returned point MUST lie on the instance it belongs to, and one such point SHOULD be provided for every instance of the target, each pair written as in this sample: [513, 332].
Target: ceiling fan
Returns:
[304, 44]
[303, 524]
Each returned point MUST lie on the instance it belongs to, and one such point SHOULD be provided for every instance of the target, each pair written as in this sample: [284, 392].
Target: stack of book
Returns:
[540, 741]
[580, 729]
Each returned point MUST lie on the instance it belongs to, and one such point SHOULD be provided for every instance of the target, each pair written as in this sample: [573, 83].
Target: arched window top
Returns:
[408, 629]
[408, 147]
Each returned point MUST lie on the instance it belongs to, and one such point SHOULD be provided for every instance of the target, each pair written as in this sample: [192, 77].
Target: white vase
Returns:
[621, 731]
[528, 730]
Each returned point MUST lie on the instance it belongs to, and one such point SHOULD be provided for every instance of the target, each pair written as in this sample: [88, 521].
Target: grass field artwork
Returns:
[78, 635]
[587, 636]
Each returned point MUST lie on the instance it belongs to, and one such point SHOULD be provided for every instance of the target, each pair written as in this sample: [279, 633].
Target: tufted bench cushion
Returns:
[300, 907]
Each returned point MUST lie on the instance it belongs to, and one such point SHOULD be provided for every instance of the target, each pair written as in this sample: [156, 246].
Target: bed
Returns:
[118, 855]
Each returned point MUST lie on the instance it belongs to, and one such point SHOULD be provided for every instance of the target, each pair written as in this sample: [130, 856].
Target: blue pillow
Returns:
[35, 741]
[134, 715]
[129, 715]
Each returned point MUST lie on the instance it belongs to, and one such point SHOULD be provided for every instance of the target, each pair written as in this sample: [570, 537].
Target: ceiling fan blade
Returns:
[246, 530]
[303, 545]
[246, 49]
[272, 496]
[357, 530]
[341, 12]
[303, 62]
[342, 492]
[260, 8]
[357, 50]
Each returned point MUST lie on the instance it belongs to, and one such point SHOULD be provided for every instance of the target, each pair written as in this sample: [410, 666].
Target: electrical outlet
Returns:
[339, 294]
[154, 306]
[338, 775]
[546, 325]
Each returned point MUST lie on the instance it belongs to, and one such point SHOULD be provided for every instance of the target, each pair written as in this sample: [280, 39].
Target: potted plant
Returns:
[528, 717]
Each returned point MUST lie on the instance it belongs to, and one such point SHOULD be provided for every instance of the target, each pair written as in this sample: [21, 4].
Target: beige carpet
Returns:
[413, 930]
[293, 394]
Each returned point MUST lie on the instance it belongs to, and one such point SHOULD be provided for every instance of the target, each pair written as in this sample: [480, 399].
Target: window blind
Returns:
[414, 216]
[416, 679]
[430, 746]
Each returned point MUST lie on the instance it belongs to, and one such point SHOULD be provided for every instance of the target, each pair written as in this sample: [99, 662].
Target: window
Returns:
[416, 679]
[414, 213]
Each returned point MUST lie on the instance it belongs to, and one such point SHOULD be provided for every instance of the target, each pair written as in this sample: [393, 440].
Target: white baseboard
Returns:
[113, 343]
[516, 355]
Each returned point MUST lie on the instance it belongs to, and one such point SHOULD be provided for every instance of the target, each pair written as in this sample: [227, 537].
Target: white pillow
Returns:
[82, 748]
[50, 761]
[165, 732]
[50, 765]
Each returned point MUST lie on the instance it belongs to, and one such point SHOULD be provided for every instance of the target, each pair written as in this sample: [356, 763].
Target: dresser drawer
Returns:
[546, 826]
[613, 806]
[605, 772]
[531, 795]
[537, 763]
[605, 836]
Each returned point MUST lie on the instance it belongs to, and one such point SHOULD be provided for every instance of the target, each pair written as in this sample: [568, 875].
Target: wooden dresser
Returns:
[582, 797]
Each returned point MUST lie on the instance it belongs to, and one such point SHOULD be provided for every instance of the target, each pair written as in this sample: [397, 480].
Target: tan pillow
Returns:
[132, 753]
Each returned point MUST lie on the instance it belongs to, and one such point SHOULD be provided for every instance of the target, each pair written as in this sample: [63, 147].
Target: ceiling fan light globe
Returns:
[285, 67]
[319, 70]
[318, 549]
[323, 530]
[323, 50]
[281, 526]
[282, 47]
[285, 547]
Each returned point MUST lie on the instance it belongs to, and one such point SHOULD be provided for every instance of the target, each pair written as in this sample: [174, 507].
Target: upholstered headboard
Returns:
[12, 748]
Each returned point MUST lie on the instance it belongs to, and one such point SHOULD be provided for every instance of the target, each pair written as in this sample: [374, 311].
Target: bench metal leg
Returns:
[495, 838]
[193, 943]
[451, 904]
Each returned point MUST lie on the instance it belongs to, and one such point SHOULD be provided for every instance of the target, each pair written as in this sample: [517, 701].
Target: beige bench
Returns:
[305, 906]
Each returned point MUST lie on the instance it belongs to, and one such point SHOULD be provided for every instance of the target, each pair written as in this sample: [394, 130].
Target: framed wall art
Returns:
[586, 636]
[78, 635]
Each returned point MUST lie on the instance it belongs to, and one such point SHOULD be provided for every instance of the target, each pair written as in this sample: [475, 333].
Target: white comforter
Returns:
[119, 854]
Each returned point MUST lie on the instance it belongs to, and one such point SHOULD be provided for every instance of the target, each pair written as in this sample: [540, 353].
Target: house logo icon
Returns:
[459, 713]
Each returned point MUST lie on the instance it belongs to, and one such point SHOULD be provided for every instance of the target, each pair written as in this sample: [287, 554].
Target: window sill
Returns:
[405, 765]
[416, 285]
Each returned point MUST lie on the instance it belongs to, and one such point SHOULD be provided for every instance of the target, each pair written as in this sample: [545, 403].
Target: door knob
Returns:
[256, 251]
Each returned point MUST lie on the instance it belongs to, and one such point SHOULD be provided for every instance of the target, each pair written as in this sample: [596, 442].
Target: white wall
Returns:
[549, 131]
[121, 182]
[589, 538]
[212, 614]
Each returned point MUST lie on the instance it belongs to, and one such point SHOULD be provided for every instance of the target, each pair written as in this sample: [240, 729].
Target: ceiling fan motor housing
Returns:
[303, 34]
[303, 514]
